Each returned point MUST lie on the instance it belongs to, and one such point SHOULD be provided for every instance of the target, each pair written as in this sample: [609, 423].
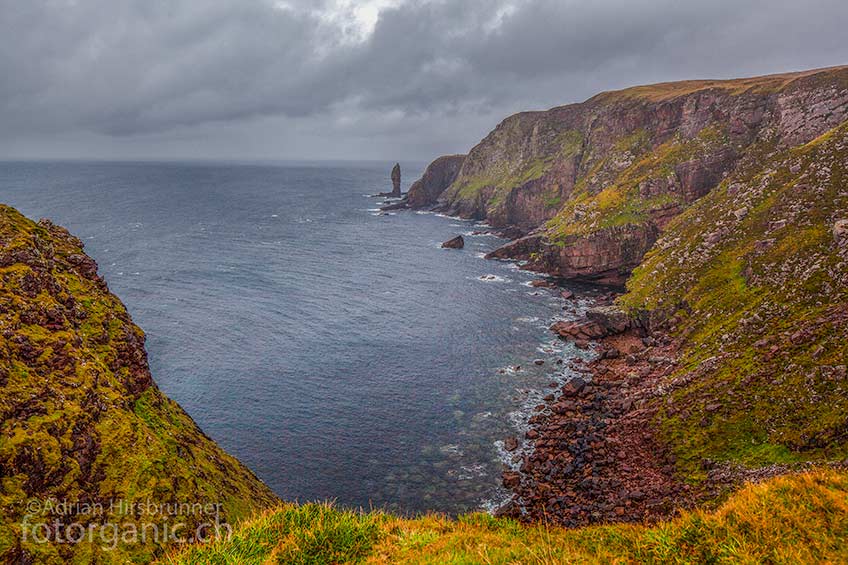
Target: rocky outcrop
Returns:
[597, 182]
[599, 322]
[437, 177]
[603, 257]
[82, 419]
[457, 242]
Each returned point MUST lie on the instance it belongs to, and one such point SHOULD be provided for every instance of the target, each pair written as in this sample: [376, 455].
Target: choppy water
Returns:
[339, 353]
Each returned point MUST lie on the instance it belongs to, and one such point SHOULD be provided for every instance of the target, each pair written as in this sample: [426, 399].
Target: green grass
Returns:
[790, 519]
[314, 534]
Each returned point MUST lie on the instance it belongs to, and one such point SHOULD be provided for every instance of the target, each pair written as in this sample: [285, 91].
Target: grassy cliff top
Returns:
[791, 519]
[664, 91]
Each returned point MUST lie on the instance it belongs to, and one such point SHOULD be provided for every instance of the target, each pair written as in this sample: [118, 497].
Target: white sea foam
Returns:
[492, 278]
[451, 449]
[475, 471]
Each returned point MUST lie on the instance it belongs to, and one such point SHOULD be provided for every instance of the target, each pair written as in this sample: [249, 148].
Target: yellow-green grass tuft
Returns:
[799, 518]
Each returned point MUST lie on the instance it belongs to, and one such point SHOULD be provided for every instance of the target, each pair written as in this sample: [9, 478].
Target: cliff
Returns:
[596, 183]
[723, 206]
[437, 177]
[82, 420]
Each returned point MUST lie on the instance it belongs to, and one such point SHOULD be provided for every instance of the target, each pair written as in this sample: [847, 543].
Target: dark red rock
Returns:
[511, 479]
[455, 243]
[436, 179]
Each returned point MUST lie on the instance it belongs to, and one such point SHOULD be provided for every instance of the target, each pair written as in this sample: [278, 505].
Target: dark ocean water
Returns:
[339, 353]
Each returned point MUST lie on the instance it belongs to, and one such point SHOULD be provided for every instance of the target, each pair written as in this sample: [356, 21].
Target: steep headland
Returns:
[595, 183]
[83, 423]
[725, 359]
[437, 177]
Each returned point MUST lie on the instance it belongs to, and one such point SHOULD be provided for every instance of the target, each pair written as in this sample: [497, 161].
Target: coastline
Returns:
[587, 453]
[591, 405]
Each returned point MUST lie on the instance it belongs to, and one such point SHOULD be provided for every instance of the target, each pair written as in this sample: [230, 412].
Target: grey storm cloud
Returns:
[412, 71]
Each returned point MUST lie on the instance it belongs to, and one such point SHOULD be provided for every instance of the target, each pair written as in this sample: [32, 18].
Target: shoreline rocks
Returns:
[594, 456]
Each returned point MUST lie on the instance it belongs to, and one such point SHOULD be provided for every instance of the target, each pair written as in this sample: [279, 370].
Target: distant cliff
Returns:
[438, 176]
[82, 420]
[597, 182]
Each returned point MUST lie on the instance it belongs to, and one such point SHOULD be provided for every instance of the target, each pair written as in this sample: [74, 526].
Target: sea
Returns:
[336, 350]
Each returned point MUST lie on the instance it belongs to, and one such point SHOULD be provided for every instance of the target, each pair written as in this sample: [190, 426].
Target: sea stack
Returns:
[395, 181]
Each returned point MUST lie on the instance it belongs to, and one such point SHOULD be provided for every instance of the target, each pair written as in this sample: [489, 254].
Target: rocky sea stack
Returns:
[395, 193]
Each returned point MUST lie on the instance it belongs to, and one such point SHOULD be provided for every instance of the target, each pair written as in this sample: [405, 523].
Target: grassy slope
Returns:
[81, 420]
[757, 288]
[791, 519]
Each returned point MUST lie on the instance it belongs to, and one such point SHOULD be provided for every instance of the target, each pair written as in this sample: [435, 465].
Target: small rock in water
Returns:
[539, 361]
[567, 294]
[456, 243]
[511, 443]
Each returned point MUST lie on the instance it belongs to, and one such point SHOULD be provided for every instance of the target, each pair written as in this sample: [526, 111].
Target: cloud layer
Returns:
[380, 79]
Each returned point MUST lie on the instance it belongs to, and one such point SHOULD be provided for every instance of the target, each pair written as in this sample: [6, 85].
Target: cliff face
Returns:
[723, 205]
[625, 163]
[82, 419]
[436, 178]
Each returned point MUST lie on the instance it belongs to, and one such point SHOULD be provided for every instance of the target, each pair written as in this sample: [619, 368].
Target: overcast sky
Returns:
[378, 79]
